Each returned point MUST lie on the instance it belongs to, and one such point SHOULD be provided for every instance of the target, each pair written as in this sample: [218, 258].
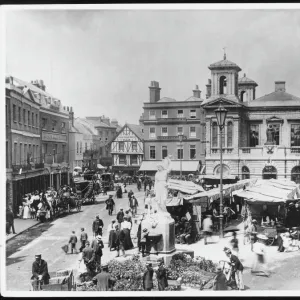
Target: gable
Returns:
[126, 134]
[225, 102]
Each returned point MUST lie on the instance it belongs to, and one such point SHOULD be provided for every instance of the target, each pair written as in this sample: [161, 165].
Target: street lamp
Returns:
[58, 170]
[68, 169]
[180, 136]
[221, 114]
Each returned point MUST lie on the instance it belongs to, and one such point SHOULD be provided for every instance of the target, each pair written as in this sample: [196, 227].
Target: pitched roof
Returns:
[97, 123]
[137, 130]
[225, 63]
[278, 98]
[192, 98]
[85, 126]
[246, 80]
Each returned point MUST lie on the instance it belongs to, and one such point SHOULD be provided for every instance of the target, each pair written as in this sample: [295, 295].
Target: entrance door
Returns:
[269, 172]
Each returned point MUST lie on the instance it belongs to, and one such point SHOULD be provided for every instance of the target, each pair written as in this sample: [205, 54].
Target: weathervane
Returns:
[224, 52]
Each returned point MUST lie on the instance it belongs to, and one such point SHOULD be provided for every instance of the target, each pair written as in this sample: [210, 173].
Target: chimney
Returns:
[39, 84]
[208, 89]
[71, 116]
[279, 86]
[197, 92]
[114, 123]
[154, 91]
[105, 120]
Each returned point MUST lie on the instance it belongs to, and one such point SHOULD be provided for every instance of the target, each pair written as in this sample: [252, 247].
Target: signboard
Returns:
[54, 137]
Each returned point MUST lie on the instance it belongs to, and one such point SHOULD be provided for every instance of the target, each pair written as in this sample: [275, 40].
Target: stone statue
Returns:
[160, 186]
[270, 134]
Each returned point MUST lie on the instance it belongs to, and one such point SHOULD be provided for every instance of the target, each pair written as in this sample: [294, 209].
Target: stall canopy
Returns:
[212, 179]
[270, 191]
[187, 166]
[214, 194]
[187, 187]
[100, 167]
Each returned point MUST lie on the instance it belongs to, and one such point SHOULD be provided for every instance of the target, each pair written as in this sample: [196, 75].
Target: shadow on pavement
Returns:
[10, 261]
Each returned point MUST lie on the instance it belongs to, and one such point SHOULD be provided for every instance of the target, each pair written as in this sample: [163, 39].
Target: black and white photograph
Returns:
[150, 148]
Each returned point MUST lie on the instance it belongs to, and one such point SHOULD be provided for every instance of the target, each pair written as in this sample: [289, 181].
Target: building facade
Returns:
[127, 149]
[261, 138]
[163, 120]
[23, 159]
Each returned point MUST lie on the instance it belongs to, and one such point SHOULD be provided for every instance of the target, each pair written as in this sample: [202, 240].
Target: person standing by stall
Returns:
[259, 249]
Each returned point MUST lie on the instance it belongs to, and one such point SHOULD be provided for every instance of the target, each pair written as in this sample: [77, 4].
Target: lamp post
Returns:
[221, 114]
[59, 181]
[180, 136]
[68, 170]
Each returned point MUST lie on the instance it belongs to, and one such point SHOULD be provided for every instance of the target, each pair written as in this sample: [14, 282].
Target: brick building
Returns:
[23, 160]
[262, 135]
[163, 120]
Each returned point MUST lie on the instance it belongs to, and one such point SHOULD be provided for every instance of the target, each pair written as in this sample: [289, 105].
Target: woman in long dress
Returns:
[26, 211]
[126, 226]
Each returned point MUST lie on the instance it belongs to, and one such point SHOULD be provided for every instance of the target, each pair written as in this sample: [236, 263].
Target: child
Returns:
[73, 241]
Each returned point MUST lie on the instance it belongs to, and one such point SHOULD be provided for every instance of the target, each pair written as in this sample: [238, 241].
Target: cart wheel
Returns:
[270, 241]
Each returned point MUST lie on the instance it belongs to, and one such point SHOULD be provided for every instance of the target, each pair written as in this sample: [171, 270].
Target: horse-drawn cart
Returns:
[66, 203]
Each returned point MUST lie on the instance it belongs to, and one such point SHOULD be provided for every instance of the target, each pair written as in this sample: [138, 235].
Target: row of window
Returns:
[164, 152]
[133, 146]
[53, 151]
[123, 160]
[26, 117]
[180, 114]
[226, 136]
[273, 134]
[25, 153]
[53, 125]
[164, 131]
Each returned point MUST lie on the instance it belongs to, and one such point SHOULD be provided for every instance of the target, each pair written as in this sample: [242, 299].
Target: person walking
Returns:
[83, 239]
[111, 235]
[73, 242]
[259, 249]
[97, 246]
[104, 280]
[219, 281]
[39, 272]
[237, 269]
[235, 244]
[120, 241]
[120, 217]
[148, 278]
[133, 204]
[10, 221]
[97, 226]
[207, 228]
[130, 194]
[88, 257]
[161, 275]
[110, 203]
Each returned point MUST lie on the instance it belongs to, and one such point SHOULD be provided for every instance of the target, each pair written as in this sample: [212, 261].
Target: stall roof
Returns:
[276, 191]
[99, 166]
[187, 166]
[215, 193]
[187, 187]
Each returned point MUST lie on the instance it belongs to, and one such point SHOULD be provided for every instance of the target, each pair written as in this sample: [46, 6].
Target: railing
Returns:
[295, 149]
[224, 150]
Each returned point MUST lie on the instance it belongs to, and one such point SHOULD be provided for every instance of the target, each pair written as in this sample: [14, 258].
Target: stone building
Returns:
[127, 149]
[163, 120]
[261, 138]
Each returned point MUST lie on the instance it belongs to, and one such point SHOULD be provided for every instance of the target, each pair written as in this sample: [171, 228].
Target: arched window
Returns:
[226, 170]
[245, 173]
[269, 172]
[223, 85]
[229, 134]
[243, 95]
[295, 174]
[214, 134]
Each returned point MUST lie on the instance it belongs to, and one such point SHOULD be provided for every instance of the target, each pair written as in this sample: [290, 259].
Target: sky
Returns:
[101, 62]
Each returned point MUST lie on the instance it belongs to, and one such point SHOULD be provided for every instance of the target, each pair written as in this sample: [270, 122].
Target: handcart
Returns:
[62, 280]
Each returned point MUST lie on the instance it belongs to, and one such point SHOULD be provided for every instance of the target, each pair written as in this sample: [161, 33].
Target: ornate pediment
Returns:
[274, 119]
[224, 101]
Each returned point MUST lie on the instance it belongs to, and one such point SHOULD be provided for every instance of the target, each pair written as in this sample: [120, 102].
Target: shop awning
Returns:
[187, 165]
[99, 166]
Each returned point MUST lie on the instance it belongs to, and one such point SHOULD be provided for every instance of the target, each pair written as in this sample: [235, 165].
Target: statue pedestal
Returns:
[166, 227]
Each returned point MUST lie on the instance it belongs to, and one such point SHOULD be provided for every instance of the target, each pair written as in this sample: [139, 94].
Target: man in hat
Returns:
[10, 221]
[133, 204]
[120, 216]
[39, 272]
[207, 228]
[161, 274]
[237, 269]
[97, 246]
[143, 241]
[73, 242]
[219, 281]
[88, 256]
[97, 226]
[185, 237]
[110, 203]
[111, 235]
[259, 249]
[83, 239]
[104, 280]
[148, 278]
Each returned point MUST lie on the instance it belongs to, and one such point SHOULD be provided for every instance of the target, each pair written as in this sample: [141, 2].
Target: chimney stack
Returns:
[154, 91]
[279, 86]
[197, 92]
[208, 89]
[71, 116]
[114, 123]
